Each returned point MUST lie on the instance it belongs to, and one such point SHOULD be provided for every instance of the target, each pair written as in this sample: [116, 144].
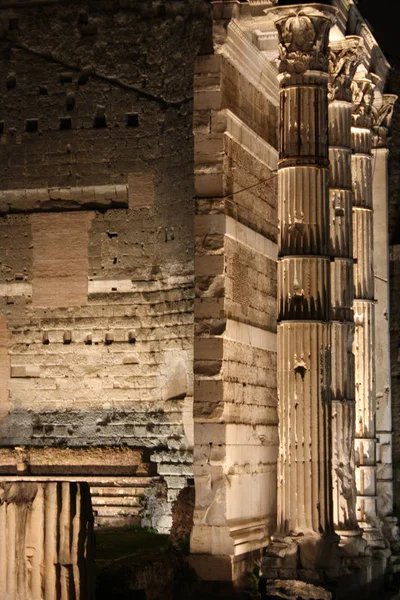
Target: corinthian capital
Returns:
[381, 120]
[344, 58]
[303, 32]
[363, 98]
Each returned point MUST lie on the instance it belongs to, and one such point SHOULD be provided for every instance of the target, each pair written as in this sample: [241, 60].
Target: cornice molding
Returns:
[251, 62]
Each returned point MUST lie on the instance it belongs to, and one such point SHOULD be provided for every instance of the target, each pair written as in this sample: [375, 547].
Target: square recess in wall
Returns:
[132, 120]
[31, 125]
[65, 123]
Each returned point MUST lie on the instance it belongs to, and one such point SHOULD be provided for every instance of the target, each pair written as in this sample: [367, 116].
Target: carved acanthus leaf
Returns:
[344, 58]
[363, 97]
[303, 38]
[381, 120]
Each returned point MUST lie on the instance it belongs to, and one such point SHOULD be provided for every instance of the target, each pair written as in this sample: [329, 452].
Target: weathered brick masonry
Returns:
[96, 232]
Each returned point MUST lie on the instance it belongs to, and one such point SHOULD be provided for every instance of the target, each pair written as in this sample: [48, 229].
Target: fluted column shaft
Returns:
[381, 120]
[46, 547]
[304, 464]
[364, 307]
[344, 59]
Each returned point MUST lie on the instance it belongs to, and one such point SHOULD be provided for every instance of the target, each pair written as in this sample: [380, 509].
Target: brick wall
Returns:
[97, 305]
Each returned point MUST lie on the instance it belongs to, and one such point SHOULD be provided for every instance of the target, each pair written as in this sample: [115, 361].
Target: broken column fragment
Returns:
[46, 543]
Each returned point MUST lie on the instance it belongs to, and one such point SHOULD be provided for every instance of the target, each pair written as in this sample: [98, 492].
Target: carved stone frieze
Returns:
[381, 119]
[303, 37]
[363, 98]
[344, 58]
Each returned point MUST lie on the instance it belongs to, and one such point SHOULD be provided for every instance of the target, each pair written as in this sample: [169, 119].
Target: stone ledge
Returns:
[102, 197]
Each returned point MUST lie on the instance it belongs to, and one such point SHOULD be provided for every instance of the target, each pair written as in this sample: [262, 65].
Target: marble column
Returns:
[364, 311]
[344, 58]
[304, 463]
[381, 118]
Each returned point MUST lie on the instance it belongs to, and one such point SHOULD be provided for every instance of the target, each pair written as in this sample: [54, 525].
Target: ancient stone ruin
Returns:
[194, 291]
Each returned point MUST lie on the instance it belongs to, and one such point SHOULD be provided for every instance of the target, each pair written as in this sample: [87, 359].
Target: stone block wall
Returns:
[235, 400]
[96, 232]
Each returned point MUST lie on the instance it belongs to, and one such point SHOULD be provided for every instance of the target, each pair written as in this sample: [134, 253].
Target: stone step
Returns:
[117, 491]
[116, 511]
[115, 501]
[117, 521]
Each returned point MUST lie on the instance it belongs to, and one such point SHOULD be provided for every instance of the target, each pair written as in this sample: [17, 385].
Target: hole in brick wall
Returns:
[83, 17]
[83, 77]
[114, 289]
[65, 123]
[43, 91]
[132, 337]
[190, 481]
[115, 260]
[132, 120]
[100, 122]
[31, 125]
[67, 337]
[13, 24]
[70, 102]
[45, 338]
[1, 127]
[19, 277]
[66, 77]
[112, 234]
[11, 81]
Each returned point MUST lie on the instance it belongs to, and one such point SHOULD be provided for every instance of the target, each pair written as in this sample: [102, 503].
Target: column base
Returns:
[317, 567]
[352, 543]
[372, 533]
[309, 558]
[224, 568]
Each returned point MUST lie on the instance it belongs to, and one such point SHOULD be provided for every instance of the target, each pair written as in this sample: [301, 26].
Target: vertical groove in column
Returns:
[3, 550]
[363, 252]
[11, 534]
[50, 541]
[37, 528]
[364, 342]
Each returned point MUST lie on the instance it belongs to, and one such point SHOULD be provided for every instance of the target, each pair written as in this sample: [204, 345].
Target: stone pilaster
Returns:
[381, 119]
[304, 463]
[344, 58]
[364, 311]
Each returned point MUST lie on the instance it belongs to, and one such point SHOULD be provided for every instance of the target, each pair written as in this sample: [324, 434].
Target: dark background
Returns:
[384, 23]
